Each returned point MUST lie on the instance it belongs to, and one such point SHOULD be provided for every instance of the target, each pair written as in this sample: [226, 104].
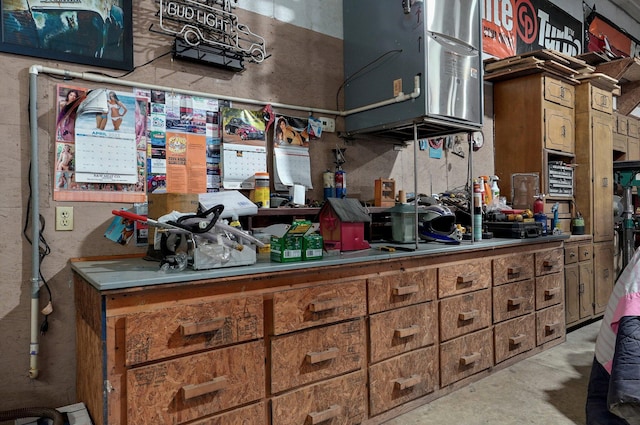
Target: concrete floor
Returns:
[549, 388]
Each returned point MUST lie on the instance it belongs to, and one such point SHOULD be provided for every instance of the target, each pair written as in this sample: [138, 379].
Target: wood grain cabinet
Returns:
[344, 344]
[578, 280]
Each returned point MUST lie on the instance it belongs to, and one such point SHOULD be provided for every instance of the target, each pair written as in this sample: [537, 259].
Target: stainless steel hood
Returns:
[388, 43]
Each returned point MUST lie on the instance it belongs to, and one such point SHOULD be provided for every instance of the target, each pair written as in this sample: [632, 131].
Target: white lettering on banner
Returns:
[561, 40]
[500, 12]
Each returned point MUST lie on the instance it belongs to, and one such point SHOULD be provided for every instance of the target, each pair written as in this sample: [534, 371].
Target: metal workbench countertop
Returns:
[131, 272]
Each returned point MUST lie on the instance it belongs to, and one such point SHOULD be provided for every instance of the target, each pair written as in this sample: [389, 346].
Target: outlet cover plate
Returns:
[64, 218]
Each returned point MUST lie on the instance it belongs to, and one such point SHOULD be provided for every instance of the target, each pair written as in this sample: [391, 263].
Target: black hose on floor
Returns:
[33, 412]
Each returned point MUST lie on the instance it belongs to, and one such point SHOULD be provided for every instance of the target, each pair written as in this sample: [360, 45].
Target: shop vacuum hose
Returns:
[33, 412]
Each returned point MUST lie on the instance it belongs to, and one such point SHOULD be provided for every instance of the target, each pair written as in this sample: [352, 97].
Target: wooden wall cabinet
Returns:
[578, 280]
[350, 344]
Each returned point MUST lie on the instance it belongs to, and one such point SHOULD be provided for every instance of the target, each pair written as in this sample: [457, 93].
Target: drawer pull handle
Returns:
[549, 264]
[196, 390]
[470, 359]
[187, 329]
[324, 305]
[513, 271]
[468, 315]
[405, 290]
[466, 280]
[324, 415]
[404, 383]
[406, 332]
[550, 293]
[322, 356]
[586, 254]
[551, 328]
[515, 302]
[515, 340]
[572, 254]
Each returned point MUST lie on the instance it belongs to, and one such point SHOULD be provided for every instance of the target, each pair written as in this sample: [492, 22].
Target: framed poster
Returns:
[91, 32]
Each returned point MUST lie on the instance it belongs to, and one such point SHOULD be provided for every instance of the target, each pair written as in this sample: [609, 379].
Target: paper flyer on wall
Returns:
[292, 162]
[244, 149]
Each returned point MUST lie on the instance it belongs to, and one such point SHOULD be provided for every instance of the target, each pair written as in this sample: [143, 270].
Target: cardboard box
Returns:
[312, 246]
[288, 247]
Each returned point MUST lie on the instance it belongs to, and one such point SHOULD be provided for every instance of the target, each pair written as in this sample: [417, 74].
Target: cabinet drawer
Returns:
[571, 254]
[514, 337]
[559, 92]
[187, 328]
[464, 313]
[401, 330]
[621, 124]
[619, 142]
[512, 268]
[319, 305]
[513, 300]
[585, 252]
[403, 378]
[550, 324]
[399, 289]
[633, 128]
[459, 278]
[315, 354]
[550, 261]
[341, 400]
[190, 387]
[465, 356]
[255, 414]
[549, 290]
[601, 100]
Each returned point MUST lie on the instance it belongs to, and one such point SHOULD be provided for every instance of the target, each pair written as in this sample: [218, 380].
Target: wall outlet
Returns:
[328, 124]
[64, 218]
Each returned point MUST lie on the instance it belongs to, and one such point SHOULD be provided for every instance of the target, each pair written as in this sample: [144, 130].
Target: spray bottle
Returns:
[340, 177]
[495, 190]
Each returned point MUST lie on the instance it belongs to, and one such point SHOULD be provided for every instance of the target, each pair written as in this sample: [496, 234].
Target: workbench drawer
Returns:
[549, 261]
[463, 277]
[465, 356]
[514, 337]
[571, 255]
[403, 378]
[315, 354]
[550, 324]
[513, 300]
[512, 268]
[341, 400]
[254, 414]
[318, 305]
[549, 290]
[186, 328]
[190, 387]
[399, 289]
[464, 313]
[403, 329]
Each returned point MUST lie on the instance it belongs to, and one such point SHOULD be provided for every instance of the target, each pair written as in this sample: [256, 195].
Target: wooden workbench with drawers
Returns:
[360, 341]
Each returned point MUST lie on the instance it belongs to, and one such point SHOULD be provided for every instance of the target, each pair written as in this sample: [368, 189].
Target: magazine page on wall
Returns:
[291, 160]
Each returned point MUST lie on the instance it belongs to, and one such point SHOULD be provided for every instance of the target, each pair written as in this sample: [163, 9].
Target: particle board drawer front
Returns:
[465, 356]
[512, 268]
[190, 387]
[514, 337]
[571, 254]
[315, 354]
[585, 252]
[319, 305]
[463, 277]
[601, 100]
[401, 379]
[513, 300]
[550, 324]
[404, 329]
[464, 313]
[559, 92]
[254, 414]
[550, 261]
[187, 328]
[549, 290]
[341, 400]
[399, 289]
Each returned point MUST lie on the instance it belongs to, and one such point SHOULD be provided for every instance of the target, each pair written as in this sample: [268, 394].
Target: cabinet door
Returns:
[558, 128]
[571, 293]
[633, 149]
[586, 289]
[603, 275]
[602, 177]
